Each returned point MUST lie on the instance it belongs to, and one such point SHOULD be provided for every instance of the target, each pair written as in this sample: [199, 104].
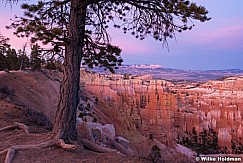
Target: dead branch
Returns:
[118, 146]
[23, 127]
[17, 125]
[10, 127]
[63, 145]
[95, 147]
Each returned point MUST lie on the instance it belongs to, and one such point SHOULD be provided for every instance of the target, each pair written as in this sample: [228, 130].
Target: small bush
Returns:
[6, 91]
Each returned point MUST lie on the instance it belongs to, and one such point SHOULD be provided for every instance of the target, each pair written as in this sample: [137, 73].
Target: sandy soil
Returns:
[9, 113]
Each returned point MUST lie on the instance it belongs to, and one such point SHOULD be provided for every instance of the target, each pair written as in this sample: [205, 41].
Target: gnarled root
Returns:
[58, 142]
[17, 125]
[63, 145]
[11, 150]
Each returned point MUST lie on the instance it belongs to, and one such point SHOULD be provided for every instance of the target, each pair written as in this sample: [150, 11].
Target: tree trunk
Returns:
[65, 120]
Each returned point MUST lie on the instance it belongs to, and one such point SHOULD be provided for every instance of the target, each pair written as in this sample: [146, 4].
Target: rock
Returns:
[79, 121]
[124, 142]
[89, 118]
[98, 136]
[95, 132]
[109, 129]
[101, 138]
[168, 111]
[224, 138]
[93, 125]
[84, 131]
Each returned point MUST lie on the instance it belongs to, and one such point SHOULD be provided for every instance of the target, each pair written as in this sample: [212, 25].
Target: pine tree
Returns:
[12, 59]
[51, 65]
[23, 58]
[2, 61]
[4, 46]
[35, 57]
[80, 27]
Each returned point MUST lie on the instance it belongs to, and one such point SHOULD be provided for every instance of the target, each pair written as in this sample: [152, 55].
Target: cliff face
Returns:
[140, 104]
[213, 112]
[206, 115]
[36, 92]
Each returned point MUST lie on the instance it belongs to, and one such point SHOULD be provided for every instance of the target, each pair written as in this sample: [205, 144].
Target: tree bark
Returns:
[65, 120]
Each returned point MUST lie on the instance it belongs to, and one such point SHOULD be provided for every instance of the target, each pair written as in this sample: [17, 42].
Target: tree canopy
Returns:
[48, 21]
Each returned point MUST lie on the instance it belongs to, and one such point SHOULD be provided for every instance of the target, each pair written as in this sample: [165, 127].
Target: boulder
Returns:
[95, 132]
[84, 131]
[124, 142]
[98, 136]
[109, 129]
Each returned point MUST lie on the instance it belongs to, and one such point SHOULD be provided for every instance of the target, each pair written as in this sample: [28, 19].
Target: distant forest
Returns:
[12, 59]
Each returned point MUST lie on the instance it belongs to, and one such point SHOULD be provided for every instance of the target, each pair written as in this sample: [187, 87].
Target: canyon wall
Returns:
[207, 115]
[213, 112]
[142, 104]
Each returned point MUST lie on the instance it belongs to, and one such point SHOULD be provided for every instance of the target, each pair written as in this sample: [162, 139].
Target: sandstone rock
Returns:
[109, 129]
[98, 136]
[89, 118]
[84, 131]
[148, 106]
[224, 138]
[124, 142]
[95, 132]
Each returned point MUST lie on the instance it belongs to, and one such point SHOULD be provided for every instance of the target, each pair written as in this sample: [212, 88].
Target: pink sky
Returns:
[213, 42]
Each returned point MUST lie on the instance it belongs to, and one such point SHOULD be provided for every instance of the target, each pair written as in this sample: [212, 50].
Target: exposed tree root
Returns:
[10, 152]
[17, 125]
[53, 142]
[56, 141]
[63, 145]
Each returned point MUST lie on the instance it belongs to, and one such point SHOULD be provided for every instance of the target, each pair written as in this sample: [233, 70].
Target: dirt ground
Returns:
[9, 113]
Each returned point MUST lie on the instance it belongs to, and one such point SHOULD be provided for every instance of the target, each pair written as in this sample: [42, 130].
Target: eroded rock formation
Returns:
[207, 115]
[141, 104]
[214, 111]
